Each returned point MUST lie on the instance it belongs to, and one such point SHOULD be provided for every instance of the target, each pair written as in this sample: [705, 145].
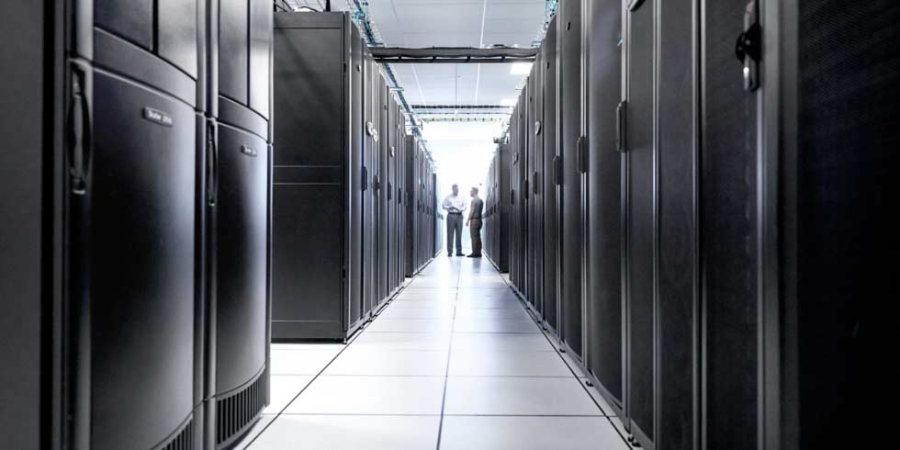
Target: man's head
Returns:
[455, 189]
[473, 192]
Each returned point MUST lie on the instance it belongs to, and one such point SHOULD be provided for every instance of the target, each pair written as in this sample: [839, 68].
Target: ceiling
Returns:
[458, 139]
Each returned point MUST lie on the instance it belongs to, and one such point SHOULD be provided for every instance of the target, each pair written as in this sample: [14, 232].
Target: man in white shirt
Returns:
[454, 204]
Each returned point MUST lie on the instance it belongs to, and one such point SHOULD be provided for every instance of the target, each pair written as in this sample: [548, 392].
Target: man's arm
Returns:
[471, 213]
[446, 204]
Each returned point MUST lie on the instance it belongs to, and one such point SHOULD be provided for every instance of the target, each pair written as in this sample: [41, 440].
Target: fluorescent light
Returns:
[508, 102]
[520, 68]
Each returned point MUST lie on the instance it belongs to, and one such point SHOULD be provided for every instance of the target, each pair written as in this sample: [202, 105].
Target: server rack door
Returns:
[843, 155]
[604, 298]
[640, 213]
[409, 194]
[241, 255]
[355, 181]
[528, 190]
[550, 134]
[260, 35]
[728, 230]
[537, 184]
[677, 307]
[513, 199]
[522, 178]
[570, 128]
[133, 273]
[369, 153]
[382, 163]
[503, 206]
[315, 187]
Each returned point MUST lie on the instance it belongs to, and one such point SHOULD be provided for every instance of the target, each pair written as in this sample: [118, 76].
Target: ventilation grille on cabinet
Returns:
[235, 413]
[183, 440]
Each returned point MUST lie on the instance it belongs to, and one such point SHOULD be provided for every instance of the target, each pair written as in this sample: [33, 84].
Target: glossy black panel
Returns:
[234, 50]
[310, 125]
[641, 217]
[678, 244]
[728, 235]
[141, 276]
[303, 217]
[570, 129]
[130, 19]
[604, 299]
[177, 40]
[260, 47]
[241, 257]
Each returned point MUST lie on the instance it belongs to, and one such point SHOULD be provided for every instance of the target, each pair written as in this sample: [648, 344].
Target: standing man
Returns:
[474, 223]
[454, 204]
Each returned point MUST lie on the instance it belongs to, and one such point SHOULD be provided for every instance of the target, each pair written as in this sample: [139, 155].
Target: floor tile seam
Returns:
[447, 371]
[338, 354]
[333, 414]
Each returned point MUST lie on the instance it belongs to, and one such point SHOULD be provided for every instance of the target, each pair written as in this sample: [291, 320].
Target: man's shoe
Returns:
[460, 254]
[474, 256]
[449, 255]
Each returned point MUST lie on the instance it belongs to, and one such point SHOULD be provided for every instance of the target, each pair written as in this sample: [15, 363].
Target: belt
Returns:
[455, 214]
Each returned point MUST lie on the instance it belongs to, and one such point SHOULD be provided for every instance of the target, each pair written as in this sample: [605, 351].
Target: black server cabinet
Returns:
[101, 116]
[570, 103]
[604, 272]
[369, 265]
[550, 180]
[381, 191]
[837, 107]
[410, 196]
[239, 210]
[641, 158]
[319, 176]
[515, 235]
[522, 205]
[500, 210]
[527, 131]
[537, 189]
[677, 211]
[728, 235]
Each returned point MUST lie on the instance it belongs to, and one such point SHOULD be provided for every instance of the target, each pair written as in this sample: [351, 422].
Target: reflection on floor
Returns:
[454, 362]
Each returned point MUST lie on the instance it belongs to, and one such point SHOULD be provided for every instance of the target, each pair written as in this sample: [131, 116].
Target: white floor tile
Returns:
[310, 432]
[370, 395]
[300, 362]
[507, 342]
[366, 361]
[410, 326]
[403, 341]
[284, 389]
[495, 326]
[518, 396]
[516, 312]
[507, 364]
[529, 433]
[417, 313]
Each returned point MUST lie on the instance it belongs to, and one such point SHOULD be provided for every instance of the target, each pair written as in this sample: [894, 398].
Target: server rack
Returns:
[320, 176]
[551, 181]
[370, 224]
[571, 145]
[382, 192]
[514, 193]
[604, 272]
[536, 174]
[497, 220]
[240, 215]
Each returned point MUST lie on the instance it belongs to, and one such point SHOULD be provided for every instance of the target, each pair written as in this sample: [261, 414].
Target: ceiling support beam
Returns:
[453, 55]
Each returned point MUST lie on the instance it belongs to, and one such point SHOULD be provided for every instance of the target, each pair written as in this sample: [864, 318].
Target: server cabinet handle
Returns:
[365, 178]
[748, 47]
[399, 196]
[620, 126]
[212, 165]
[512, 196]
[79, 134]
[557, 171]
[535, 184]
[581, 156]
[376, 183]
[390, 191]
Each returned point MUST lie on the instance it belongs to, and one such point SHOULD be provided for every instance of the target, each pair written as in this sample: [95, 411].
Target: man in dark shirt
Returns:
[474, 222]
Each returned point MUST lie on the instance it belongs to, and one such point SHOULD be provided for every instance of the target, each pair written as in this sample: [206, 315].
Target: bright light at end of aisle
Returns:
[520, 68]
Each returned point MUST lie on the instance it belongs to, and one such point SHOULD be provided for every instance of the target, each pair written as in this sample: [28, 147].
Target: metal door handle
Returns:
[80, 134]
[620, 126]
[212, 166]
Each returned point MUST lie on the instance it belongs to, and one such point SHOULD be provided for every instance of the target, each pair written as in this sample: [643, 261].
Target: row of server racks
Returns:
[353, 196]
[135, 239]
[693, 197]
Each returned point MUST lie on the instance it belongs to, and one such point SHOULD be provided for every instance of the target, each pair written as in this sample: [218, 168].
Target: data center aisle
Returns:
[454, 362]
